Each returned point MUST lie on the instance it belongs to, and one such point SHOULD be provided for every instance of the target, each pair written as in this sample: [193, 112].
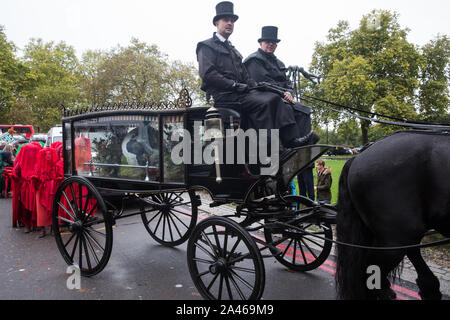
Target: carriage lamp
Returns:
[213, 130]
[213, 124]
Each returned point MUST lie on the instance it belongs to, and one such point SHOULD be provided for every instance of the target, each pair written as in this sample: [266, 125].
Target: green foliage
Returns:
[138, 72]
[13, 78]
[374, 68]
[53, 70]
[434, 99]
[93, 85]
[347, 134]
[33, 88]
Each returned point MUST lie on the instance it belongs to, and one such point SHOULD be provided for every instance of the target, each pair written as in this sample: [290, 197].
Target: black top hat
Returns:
[269, 33]
[224, 9]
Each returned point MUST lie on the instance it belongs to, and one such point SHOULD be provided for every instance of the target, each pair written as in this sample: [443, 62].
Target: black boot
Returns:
[309, 139]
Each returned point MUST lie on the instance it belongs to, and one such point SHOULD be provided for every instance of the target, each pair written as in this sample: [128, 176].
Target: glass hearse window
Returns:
[118, 147]
[172, 172]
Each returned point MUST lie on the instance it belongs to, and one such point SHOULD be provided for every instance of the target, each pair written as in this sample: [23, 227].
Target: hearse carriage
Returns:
[148, 159]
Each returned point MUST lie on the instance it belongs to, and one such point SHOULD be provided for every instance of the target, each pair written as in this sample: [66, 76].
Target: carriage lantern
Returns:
[213, 130]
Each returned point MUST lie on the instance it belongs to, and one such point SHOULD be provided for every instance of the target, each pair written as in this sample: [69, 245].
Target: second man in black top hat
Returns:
[264, 66]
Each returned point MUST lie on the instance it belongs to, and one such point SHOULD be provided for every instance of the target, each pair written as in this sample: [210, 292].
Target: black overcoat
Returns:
[220, 65]
[266, 67]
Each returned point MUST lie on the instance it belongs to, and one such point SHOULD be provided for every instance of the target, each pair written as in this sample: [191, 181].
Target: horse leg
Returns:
[387, 262]
[427, 282]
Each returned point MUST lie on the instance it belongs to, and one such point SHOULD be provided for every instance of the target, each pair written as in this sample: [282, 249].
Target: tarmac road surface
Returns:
[139, 269]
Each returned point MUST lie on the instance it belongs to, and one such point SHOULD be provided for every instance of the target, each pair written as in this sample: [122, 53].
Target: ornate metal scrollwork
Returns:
[184, 101]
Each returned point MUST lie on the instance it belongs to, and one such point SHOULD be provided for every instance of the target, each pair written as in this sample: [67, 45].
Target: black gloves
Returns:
[240, 87]
[252, 83]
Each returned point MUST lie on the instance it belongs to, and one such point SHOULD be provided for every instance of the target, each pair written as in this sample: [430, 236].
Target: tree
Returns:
[138, 72]
[435, 80]
[373, 68]
[184, 76]
[356, 89]
[55, 80]
[13, 79]
[95, 88]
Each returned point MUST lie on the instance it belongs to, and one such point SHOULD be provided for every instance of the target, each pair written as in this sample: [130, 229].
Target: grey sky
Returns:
[176, 26]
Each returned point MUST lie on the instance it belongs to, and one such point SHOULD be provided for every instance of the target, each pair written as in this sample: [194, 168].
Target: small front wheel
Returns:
[173, 218]
[224, 261]
[302, 248]
[82, 225]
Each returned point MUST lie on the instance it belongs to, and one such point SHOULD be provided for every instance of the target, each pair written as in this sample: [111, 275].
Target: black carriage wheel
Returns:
[171, 223]
[224, 261]
[298, 250]
[82, 225]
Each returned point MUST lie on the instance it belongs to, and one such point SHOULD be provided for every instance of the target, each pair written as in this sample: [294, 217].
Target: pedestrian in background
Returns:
[324, 182]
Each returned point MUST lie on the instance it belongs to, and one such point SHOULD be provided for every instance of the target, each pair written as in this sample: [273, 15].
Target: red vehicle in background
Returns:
[26, 130]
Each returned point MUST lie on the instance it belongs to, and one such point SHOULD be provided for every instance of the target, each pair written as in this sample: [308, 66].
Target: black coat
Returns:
[220, 66]
[265, 67]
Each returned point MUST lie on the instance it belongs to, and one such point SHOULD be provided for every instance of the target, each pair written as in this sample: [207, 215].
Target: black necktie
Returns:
[227, 44]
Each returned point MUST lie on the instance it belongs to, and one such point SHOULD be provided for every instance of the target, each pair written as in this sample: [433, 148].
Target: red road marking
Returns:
[406, 291]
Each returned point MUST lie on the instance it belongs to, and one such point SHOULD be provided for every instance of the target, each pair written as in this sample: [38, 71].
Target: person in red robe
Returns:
[24, 195]
[46, 178]
[57, 146]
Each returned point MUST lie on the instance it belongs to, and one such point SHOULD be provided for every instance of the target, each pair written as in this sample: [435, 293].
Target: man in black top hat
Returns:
[264, 66]
[225, 77]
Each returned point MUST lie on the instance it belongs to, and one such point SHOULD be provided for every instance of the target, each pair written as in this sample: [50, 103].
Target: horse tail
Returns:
[351, 262]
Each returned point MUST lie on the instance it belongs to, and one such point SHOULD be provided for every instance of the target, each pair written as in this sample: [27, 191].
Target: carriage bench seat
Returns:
[226, 113]
[230, 115]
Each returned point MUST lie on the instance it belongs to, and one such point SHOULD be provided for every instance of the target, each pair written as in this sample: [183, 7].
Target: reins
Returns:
[407, 124]
[399, 122]
[414, 246]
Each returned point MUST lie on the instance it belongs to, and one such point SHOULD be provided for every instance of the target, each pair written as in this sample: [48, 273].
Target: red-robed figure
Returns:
[46, 185]
[24, 198]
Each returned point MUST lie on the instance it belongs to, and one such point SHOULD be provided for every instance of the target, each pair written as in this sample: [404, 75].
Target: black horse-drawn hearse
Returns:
[122, 160]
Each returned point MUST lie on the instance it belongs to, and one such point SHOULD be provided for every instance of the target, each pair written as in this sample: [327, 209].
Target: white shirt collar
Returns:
[221, 38]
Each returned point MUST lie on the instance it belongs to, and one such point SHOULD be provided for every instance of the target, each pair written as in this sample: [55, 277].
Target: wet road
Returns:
[139, 269]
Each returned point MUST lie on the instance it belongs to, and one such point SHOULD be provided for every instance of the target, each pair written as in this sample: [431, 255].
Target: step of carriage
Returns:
[275, 251]
[328, 213]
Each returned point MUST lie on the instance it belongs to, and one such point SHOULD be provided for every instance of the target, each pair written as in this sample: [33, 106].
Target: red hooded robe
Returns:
[45, 187]
[24, 192]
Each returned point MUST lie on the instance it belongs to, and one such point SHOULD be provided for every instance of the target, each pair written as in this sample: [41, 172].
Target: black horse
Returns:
[390, 195]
